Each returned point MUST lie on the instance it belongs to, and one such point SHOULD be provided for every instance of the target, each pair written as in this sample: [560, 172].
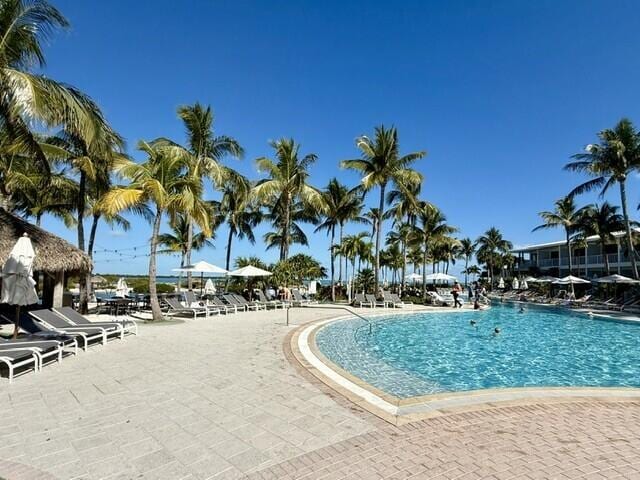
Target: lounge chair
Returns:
[360, 301]
[262, 297]
[242, 301]
[75, 318]
[176, 308]
[192, 300]
[57, 323]
[374, 301]
[218, 303]
[44, 349]
[437, 299]
[300, 300]
[18, 358]
[395, 300]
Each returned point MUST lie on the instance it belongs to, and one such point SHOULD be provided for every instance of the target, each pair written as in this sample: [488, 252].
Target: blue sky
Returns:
[499, 93]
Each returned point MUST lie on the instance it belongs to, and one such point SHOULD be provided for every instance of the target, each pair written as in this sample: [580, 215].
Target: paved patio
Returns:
[218, 399]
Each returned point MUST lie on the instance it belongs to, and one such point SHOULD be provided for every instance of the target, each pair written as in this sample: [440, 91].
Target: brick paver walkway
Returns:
[218, 399]
[588, 440]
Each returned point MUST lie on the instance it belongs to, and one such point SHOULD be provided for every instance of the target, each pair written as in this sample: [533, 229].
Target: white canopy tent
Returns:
[18, 286]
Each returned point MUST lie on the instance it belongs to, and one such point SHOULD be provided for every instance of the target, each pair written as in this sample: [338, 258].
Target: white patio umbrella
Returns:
[201, 267]
[570, 279]
[250, 271]
[515, 284]
[209, 287]
[530, 279]
[121, 288]
[501, 283]
[441, 277]
[18, 286]
[546, 279]
[615, 278]
[413, 276]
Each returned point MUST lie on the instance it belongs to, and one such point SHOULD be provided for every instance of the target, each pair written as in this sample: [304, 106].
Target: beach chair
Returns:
[224, 307]
[298, 299]
[176, 308]
[192, 300]
[14, 359]
[360, 301]
[69, 314]
[57, 323]
[44, 349]
[437, 299]
[242, 301]
[374, 301]
[37, 332]
[264, 300]
[395, 300]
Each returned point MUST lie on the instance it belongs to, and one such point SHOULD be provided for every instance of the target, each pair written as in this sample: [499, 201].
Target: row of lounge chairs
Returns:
[388, 299]
[52, 333]
[228, 303]
[622, 303]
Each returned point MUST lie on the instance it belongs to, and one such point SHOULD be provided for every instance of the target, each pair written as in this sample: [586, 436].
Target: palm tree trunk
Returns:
[284, 252]
[404, 268]
[83, 306]
[38, 219]
[424, 273]
[379, 238]
[569, 251]
[604, 255]
[228, 262]
[92, 239]
[333, 265]
[340, 256]
[627, 225]
[188, 252]
[466, 274]
[153, 293]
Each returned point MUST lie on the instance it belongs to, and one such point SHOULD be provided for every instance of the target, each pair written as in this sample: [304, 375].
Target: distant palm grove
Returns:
[59, 156]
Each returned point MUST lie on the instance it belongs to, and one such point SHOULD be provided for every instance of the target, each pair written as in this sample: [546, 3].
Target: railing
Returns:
[334, 307]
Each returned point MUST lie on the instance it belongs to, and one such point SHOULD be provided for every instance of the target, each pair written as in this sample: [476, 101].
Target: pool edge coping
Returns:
[399, 411]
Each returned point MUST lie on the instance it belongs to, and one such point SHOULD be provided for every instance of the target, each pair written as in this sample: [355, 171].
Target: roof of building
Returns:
[561, 243]
[53, 254]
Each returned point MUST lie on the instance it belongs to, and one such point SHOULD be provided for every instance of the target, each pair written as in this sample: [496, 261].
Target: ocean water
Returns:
[424, 353]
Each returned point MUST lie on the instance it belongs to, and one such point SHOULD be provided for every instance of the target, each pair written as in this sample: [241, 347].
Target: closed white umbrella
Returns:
[18, 286]
[209, 288]
[515, 284]
[501, 283]
[524, 285]
[121, 288]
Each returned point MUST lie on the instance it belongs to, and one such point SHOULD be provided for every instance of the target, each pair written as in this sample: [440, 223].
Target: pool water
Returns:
[426, 353]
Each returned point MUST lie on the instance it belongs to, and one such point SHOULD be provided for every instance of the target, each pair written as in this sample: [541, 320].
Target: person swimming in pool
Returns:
[496, 331]
[521, 309]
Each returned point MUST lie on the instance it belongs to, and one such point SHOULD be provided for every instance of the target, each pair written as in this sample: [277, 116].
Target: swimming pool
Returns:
[427, 353]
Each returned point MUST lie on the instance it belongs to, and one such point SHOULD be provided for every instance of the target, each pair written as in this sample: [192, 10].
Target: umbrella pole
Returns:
[201, 279]
[17, 322]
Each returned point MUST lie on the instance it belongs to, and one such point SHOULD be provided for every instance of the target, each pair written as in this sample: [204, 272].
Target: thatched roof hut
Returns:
[55, 257]
[53, 254]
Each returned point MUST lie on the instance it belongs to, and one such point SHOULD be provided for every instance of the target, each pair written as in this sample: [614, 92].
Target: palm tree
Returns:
[402, 237]
[564, 215]
[287, 185]
[340, 203]
[27, 97]
[467, 249]
[208, 150]
[601, 220]
[430, 224]
[380, 165]
[162, 180]
[610, 162]
[472, 270]
[176, 241]
[490, 245]
[352, 247]
[237, 210]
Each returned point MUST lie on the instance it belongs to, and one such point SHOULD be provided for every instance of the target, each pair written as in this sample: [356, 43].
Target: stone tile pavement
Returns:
[217, 399]
[201, 399]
